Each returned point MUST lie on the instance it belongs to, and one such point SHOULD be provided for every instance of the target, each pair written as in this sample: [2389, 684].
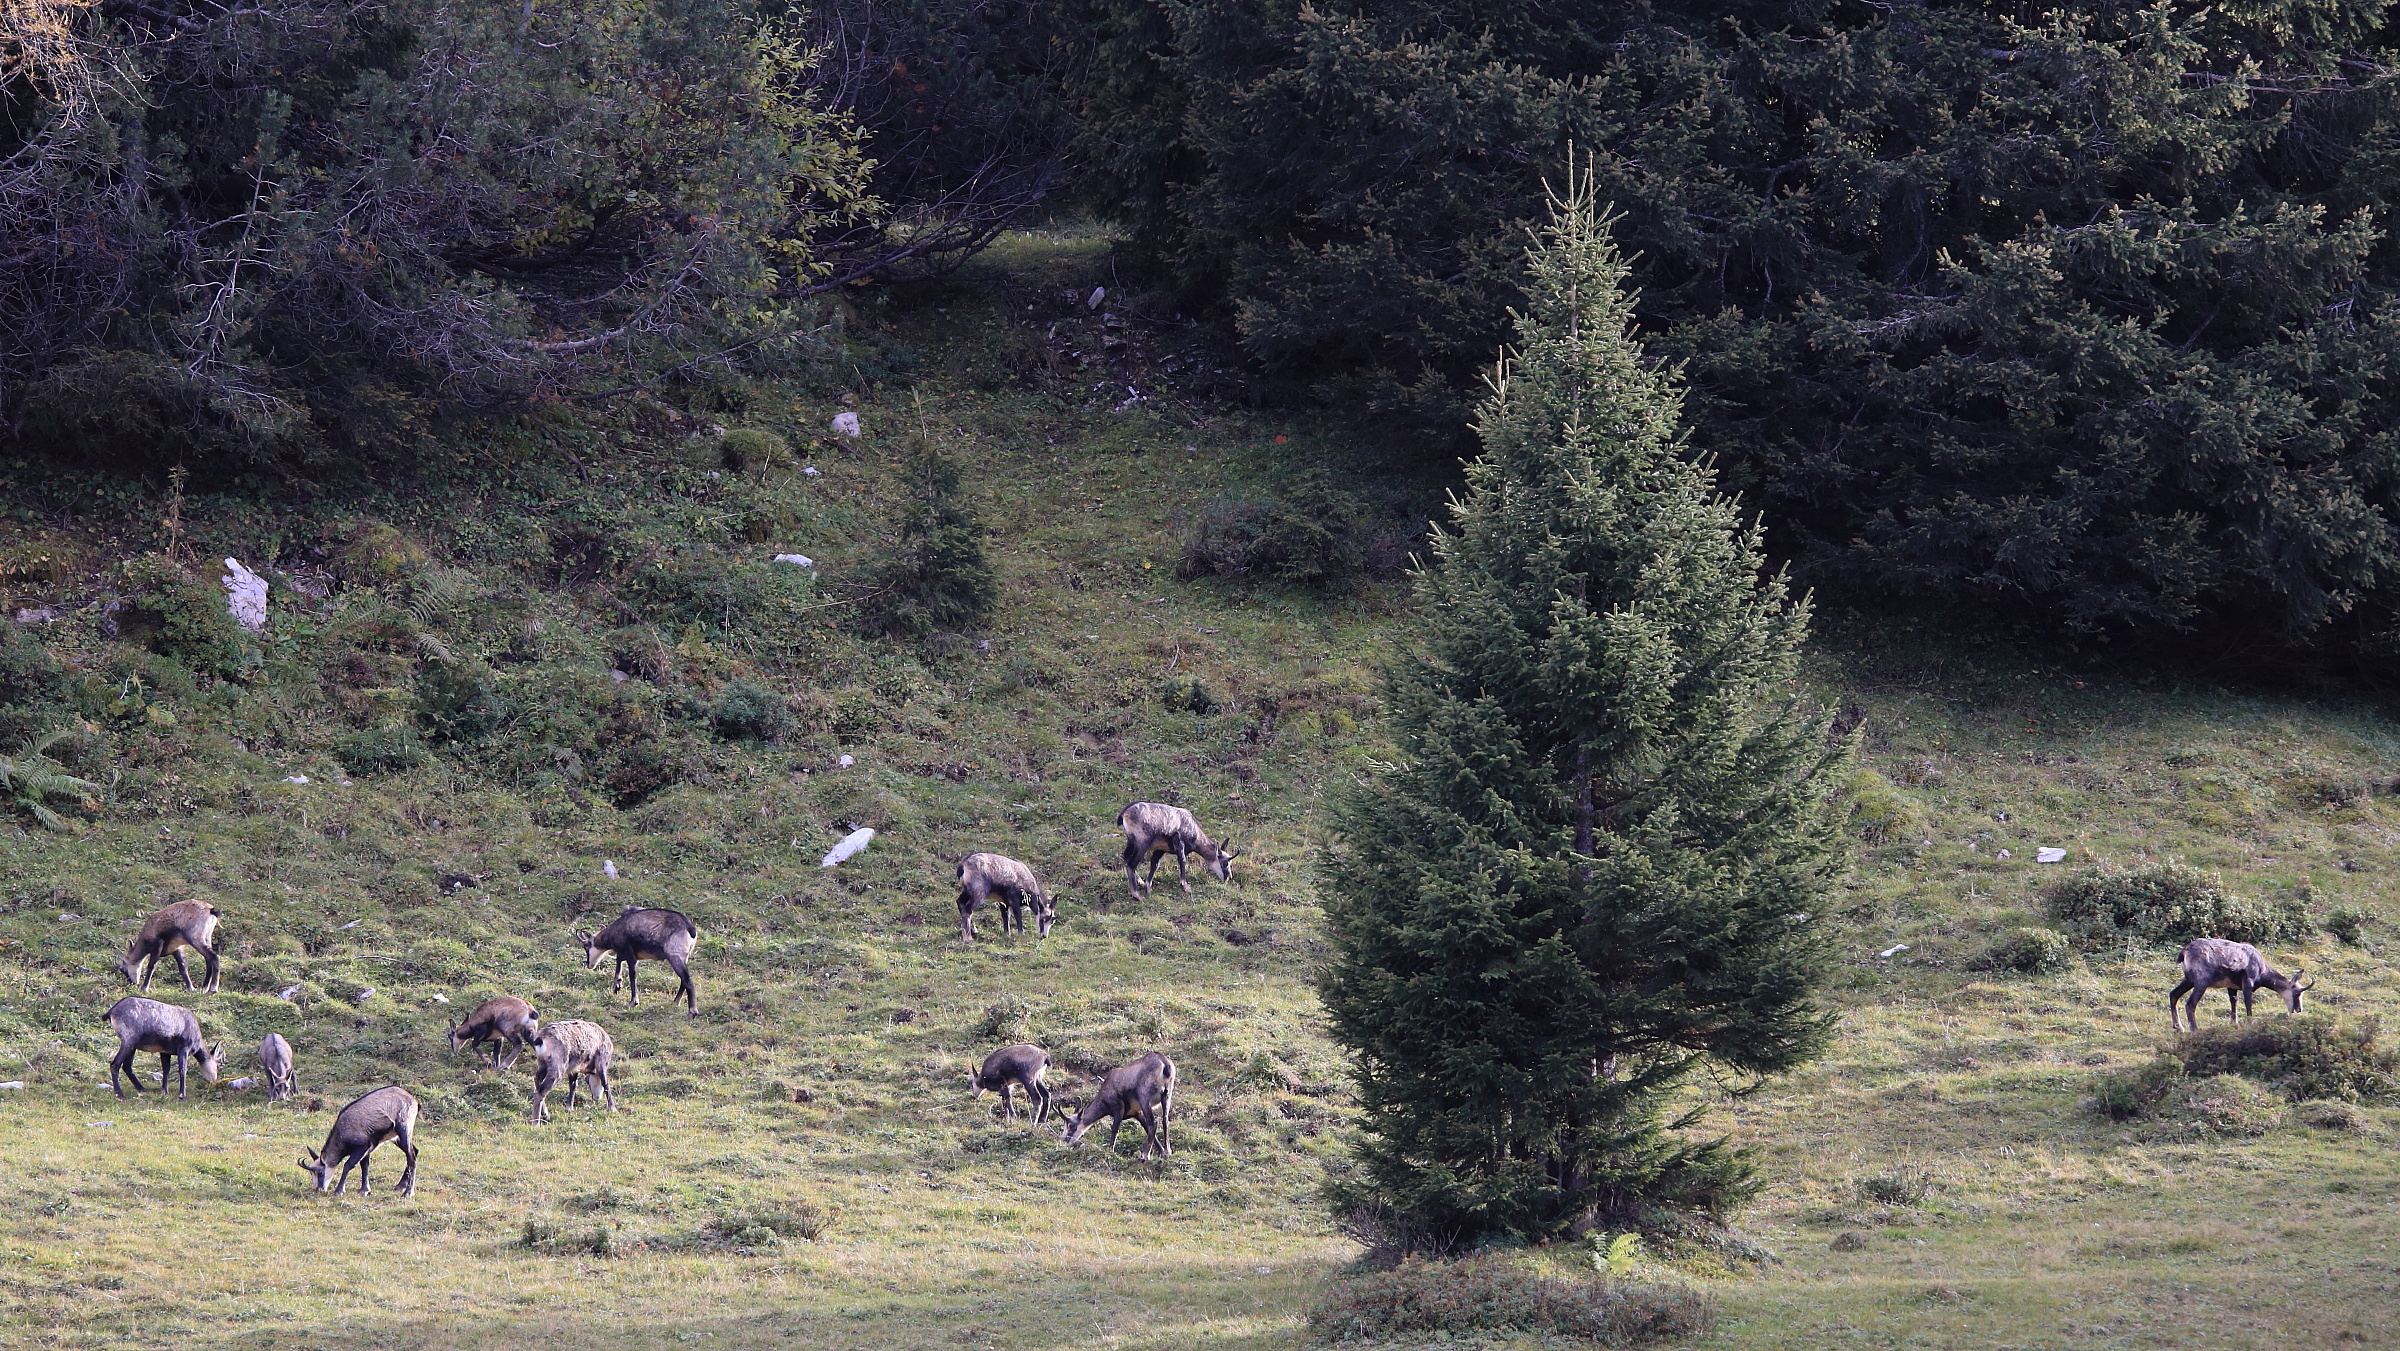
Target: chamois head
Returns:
[129, 965]
[1221, 867]
[209, 1060]
[592, 951]
[319, 1167]
[1045, 912]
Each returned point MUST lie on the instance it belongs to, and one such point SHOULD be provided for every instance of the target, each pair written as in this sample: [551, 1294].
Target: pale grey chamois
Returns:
[647, 935]
[174, 1033]
[275, 1058]
[1011, 1068]
[567, 1049]
[1153, 830]
[184, 925]
[506, 1022]
[982, 877]
[2238, 970]
[1144, 1090]
[388, 1113]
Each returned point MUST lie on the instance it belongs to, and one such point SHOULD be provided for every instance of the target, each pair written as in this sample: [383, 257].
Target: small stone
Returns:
[1849, 1240]
[802, 559]
[2048, 855]
[846, 424]
[245, 596]
[1092, 301]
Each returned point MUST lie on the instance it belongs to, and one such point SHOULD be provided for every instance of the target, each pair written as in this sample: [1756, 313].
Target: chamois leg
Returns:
[1133, 871]
[1157, 856]
[184, 970]
[344, 1181]
[608, 1091]
[407, 1140]
[633, 981]
[124, 1062]
[1039, 1095]
[2182, 987]
[209, 955]
[148, 971]
[1181, 875]
[966, 915]
[1008, 1101]
[684, 989]
[2233, 1008]
[182, 1072]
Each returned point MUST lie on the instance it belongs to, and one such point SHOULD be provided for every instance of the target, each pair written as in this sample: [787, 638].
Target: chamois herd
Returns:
[575, 1051]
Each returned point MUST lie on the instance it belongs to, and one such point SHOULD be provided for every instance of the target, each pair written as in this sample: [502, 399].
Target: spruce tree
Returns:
[1599, 867]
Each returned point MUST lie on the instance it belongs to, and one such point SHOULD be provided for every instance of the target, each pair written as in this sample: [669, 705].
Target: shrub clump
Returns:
[1900, 1187]
[1879, 814]
[1494, 1295]
[381, 750]
[2302, 1058]
[2347, 924]
[2230, 1105]
[751, 449]
[2125, 1095]
[766, 1230]
[2171, 902]
[748, 711]
[1314, 535]
[183, 616]
[2029, 949]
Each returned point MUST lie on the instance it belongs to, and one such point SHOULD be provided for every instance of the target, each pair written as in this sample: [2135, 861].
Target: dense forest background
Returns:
[2081, 317]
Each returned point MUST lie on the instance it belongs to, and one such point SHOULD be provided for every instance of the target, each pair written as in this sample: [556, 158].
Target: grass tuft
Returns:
[1495, 1294]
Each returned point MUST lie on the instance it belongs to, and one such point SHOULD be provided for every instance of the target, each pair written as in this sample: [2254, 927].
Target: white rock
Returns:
[2005, 854]
[288, 993]
[802, 559]
[245, 596]
[65, 915]
[850, 846]
[295, 778]
[846, 424]
[244, 1082]
[1092, 301]
[1896, 947]
[842, 761]
[608, 867]
[810, 470]
[441, 999]
[618, 677]
[13, 1083]
[43, 614]
[351, 925]
[363, 996]
[103, 1123]
[2047, 855]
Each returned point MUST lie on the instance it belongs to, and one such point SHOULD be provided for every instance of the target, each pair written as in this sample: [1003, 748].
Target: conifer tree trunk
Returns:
[1599, 865]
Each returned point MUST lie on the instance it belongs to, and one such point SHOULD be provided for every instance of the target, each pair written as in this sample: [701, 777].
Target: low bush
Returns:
[182, 615]
[1900, 1187]
[2230, 1105]
[752, 449]
[1495, 1295]
[1313, 535]
[2028, 949]
[381, 750]
[2331, 1116]
[2347, 924]
[29, 675]
[748, 711]
[2170, 902]
[2124, 1095]
[1879, 814]
[1188, 695]
[556, 1241]
[2302, 1058]
[766, 1229]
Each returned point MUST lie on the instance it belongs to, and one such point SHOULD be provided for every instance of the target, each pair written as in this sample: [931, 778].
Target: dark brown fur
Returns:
[1144, 1090]
[981, 877]
[507, 1023]
[388, 1113]
[648, 935]
[1153, 830]
[1011, 1068]
[184, 925]
[2236, 968]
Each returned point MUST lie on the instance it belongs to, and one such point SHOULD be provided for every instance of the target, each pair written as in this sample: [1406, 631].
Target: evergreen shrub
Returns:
[2171, 902]
[1497, 1295]
[2310, 1056]
[2028, 949]
[184, 616]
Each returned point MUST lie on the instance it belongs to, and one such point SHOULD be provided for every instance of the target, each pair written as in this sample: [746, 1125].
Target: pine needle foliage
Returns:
[938, 578]
[1597, 869]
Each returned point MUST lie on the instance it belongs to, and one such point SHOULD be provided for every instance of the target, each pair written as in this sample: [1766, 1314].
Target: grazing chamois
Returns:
[2238, 970]
[647, 935]
[1144, 1089]
[185, 924]
[1152, 830]
[275, 1057]
[388, 1113]
[1011, 1068]
[147, 1025]
[984, 876]
[565, 1050]
[507, 1022]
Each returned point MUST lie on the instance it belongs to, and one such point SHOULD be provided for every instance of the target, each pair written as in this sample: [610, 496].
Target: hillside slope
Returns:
[548, 657]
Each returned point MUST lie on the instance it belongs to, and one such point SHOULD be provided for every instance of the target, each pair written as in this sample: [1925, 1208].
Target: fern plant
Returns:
[30, 779]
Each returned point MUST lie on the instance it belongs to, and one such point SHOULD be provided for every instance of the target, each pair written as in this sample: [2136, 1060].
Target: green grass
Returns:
[839, 1013]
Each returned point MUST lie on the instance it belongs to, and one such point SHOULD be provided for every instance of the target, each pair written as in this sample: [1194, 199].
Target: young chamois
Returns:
[984, 876]
[275, 1058]
[565, 1050]
[647, 935]
[1145, 1090]
[1152, 830]
[2238, 970]
[1011, 1068]
[507, 1023]
[147, 1025]
[185, 924]
[388, 1113]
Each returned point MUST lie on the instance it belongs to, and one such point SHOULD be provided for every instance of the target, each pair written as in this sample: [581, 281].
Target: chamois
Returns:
[275, 1057]
[981, 877]
[147, 1025]
[1014, 1067]
[1144, 1089]
[388, 1113]
[566, 1049]
[2238, 970]
[185, 924]
[647, 935]
[506, 1022]
[1152, 830]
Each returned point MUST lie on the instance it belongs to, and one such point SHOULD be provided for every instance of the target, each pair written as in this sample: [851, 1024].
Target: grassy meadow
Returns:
[1936, 1181]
